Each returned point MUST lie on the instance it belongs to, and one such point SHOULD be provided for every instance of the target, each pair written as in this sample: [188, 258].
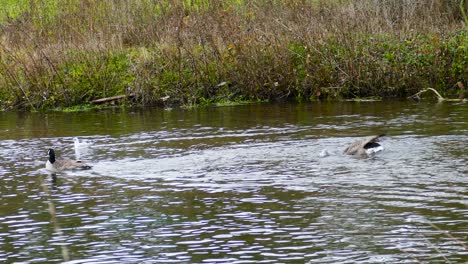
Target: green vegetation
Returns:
[61, 54]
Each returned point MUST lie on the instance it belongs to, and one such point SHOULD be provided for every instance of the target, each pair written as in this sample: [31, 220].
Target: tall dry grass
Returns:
[202, 51]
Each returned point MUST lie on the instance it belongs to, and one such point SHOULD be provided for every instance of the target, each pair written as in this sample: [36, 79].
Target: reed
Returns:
[198, 51]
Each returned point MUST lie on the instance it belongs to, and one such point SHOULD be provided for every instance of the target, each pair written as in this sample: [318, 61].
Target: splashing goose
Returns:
[54, 165]
[80, 143]
[81, 147]
[365, 146]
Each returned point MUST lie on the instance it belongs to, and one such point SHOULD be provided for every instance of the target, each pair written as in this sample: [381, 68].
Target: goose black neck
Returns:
[51, 155]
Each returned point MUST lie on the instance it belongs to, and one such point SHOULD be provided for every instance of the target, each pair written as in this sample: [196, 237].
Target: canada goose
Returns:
[365, 146]
[54, 165]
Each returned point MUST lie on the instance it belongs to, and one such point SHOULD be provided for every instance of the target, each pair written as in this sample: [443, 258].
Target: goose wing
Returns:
[359, 146]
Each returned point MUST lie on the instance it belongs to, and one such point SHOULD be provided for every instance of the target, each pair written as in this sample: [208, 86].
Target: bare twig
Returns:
[462, 10]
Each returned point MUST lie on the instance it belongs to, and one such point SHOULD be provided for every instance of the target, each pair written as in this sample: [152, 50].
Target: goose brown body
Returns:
[55, 165]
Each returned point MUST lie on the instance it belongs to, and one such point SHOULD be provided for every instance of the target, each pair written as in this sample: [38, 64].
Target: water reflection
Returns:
[238, 185]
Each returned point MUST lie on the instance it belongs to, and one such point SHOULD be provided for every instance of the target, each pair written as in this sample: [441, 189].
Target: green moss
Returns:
[78, 108]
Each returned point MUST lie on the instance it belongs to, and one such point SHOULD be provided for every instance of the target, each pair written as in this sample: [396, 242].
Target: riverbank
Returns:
[201, 52]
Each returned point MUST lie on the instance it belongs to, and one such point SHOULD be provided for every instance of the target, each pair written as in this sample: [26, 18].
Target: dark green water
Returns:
[240, 184]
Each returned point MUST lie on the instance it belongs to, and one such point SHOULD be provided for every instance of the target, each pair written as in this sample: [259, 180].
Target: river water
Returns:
[241, 184]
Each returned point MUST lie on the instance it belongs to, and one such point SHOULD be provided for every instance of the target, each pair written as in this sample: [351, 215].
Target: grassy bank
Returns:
[199, 52]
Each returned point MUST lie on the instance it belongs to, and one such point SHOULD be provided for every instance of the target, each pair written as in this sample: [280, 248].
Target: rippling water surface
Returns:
[240, 184]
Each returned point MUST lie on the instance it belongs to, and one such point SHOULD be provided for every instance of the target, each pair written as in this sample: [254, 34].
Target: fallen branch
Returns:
[110, 99]
[440, 98]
